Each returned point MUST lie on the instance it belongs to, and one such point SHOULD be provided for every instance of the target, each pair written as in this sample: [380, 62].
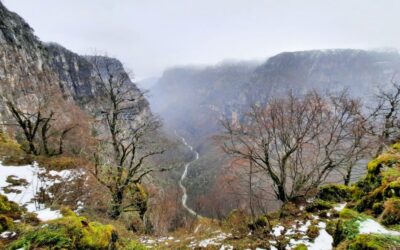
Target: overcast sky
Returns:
[150, 35]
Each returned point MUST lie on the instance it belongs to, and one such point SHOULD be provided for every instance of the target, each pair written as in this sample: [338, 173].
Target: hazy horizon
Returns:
[151, 36]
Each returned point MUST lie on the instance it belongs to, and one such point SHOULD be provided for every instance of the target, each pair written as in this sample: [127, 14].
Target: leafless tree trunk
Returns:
[129, 144]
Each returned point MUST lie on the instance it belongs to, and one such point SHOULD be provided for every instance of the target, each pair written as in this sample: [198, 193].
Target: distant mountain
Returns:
[186, 96]
[191, 99]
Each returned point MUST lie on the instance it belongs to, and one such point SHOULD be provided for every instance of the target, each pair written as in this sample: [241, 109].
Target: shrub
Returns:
[9, 208]
[133, 245]
[300, 247]
[288, 209]
[318, 205]
[393, 189]
[59, 162]
[334, 193]
[313, 231]
[6, 223]
[387, 159]
[69, 232]
[260, 222]
[391, 213]
[374, 242]
[11, 152]
[377, 207]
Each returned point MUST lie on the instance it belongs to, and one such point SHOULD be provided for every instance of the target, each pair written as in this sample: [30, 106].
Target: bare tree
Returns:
[385, 116]
[296, 141]
[121, 164]
[37, 127]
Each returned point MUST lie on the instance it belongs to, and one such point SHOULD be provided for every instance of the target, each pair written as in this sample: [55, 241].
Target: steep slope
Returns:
[28, 65]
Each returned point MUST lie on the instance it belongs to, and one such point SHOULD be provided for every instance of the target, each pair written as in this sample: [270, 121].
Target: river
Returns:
[183, 177]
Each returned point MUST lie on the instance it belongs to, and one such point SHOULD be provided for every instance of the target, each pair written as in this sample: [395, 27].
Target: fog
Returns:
[150, 36]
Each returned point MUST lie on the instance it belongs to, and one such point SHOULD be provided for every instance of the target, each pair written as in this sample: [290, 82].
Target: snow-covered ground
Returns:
[371, 226]
[26, 193]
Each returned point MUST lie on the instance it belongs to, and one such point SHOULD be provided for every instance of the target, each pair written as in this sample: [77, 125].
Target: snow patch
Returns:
[277, 230]
[370, 226]
[340, 207]
[36, 182]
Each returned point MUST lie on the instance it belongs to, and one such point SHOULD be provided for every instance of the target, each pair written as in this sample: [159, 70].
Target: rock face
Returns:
[27, 65]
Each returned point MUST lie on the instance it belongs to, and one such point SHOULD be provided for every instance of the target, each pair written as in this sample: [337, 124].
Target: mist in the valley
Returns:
[181, 55]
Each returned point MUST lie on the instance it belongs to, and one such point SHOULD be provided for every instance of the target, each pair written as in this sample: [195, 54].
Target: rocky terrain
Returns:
[59, 200]
[28, 64]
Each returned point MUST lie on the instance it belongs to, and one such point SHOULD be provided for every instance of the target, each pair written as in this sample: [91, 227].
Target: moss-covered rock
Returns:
[300, 247]
[377, 208]
[335, 193]
[373, 242]
[15, 181]
[133, 245]
[9, 208]
[318, 205]
[69, 232]
[6, 223]
[289, 209]
[11, 152]
[385, 159]
[313, 231]
[393, 189]
[367, 201]
[260, 223]
[391, 212]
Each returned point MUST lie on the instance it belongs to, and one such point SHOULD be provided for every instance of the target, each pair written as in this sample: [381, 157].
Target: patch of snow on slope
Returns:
[26, 197]
[322, 242]
[370, 226]
[340, 207]
[277, 230]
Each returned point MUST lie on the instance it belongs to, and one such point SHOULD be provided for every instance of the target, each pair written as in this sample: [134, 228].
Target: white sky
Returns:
[150, 35]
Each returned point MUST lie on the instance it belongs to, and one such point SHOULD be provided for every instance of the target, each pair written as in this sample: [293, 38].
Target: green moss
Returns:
[6, 223]
[391, 213]
[9, 208]
[261, 222]
[69, 232]
[335, 192]
[387, 159]
[300, 247]
[11, 152]
[377, 207]
[319, 205]
[393, 189]
[313, 231]
[59, 162]
[133, 245]
[374, 242]
[390, 174]
[367, 201]
[97, 236]
[347, 213]
[396, 146]
[45, 238]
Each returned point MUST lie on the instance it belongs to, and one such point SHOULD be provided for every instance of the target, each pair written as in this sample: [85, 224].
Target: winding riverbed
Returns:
[183, 177]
